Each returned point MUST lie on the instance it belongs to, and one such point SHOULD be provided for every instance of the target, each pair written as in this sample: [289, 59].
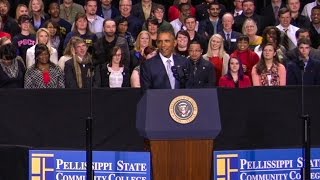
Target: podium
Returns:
[180, 126]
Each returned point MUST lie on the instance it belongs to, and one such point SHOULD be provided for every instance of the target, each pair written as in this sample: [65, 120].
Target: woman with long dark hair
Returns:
[44, 73]
[235, 77]
[269, 71]
[183, 42]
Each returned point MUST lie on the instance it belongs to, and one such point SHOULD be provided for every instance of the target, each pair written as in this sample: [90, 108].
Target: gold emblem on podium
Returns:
[183, 109]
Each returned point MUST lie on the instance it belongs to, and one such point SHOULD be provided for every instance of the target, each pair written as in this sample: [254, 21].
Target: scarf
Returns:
[77, 62]
[270, 77]
[11, 70]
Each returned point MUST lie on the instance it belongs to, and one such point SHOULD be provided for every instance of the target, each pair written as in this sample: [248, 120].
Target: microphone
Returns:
[175, 73]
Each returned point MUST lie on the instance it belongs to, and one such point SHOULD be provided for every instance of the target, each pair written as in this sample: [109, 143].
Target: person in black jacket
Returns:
[113, 74]
[201, 72]
[310, 68]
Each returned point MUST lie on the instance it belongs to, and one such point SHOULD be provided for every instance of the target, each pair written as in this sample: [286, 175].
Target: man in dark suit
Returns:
[201, 73]
[202, 9]
[230, 37]
[296, 18]
[304, 64]
[141, 7]
[165, 70]
[271, 11]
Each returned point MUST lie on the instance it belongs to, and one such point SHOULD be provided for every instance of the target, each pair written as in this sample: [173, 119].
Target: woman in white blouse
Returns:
[113, 74]
[42, 37]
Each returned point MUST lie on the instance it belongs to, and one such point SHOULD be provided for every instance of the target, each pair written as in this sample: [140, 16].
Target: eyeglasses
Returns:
[126, 5]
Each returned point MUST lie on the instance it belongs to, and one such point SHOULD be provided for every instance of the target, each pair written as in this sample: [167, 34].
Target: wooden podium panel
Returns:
[181, 159]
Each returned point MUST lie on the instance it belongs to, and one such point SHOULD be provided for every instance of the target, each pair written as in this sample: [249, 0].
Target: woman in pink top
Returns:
[269, 71]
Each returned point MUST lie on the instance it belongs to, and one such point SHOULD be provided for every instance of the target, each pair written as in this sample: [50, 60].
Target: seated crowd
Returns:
[67, 45]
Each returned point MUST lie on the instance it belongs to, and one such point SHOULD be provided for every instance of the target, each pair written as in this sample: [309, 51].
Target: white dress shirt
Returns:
[291, 33]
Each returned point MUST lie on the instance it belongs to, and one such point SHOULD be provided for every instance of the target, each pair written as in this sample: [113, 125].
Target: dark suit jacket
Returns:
[314, 37]
[138, 11]
[153, 73]
[230, 46]
[293, 54]
[301, 22]
[114, 11]
[311, 74]
[268, 15]
[70, 75]
[206, 27]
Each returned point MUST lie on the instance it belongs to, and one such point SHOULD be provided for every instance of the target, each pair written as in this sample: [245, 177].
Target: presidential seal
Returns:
[183, 109]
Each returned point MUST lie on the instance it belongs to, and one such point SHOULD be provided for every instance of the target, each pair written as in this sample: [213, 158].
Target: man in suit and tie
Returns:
[271, 11]
[165, 70]
[230, 37]
[310, 68]
[288, 31]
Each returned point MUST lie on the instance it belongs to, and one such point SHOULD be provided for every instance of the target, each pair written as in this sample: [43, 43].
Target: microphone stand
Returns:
[306, 141]
[89, 171]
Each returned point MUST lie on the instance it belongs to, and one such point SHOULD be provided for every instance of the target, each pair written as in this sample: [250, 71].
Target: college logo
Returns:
[42, 166]
[227, 167]
[183, 109]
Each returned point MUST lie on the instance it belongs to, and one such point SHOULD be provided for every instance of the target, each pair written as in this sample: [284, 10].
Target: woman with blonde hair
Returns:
[78, 70]
[250, 29]
[36, 10]
[136, 55]
[67, 54]
[22, 9]
[42, 37]
[217, 55]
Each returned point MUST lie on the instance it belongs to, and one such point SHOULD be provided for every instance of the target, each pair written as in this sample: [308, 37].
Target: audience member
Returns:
[25, 39]
[158, 13]
[245, 55]
[69, 10]
[12, 68]
[143, 9]
[36, 10]
[217, 55]
[81, 29]
[135, 24]
[177, 23]
[315, 27]
[201, 72]
[55, 36]
[22, 9]
[271, 11]
[183, 41]
[288, 39]
[106, 10]
[202, 10]
[95, 22]
[310, 68]
[269, 71]
[297, 19]
[78, 71]
[249, 12]
[42, 37]
[149, 52]
[136, 55]
[43, 73]
[152, 28]
[212, 24]
[113, 74]
[9, 24]
[271, 34]
[230, 37]
[238, 8]
[250, 29]
[104, 45]
[174, 11]
[54, 12]
[67, 54]
[308, 7]
[235, 77]
[122, 31]
[190, 23]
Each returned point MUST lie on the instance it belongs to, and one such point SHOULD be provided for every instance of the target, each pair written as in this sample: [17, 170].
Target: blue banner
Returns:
[71, 165]
[271, 164]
